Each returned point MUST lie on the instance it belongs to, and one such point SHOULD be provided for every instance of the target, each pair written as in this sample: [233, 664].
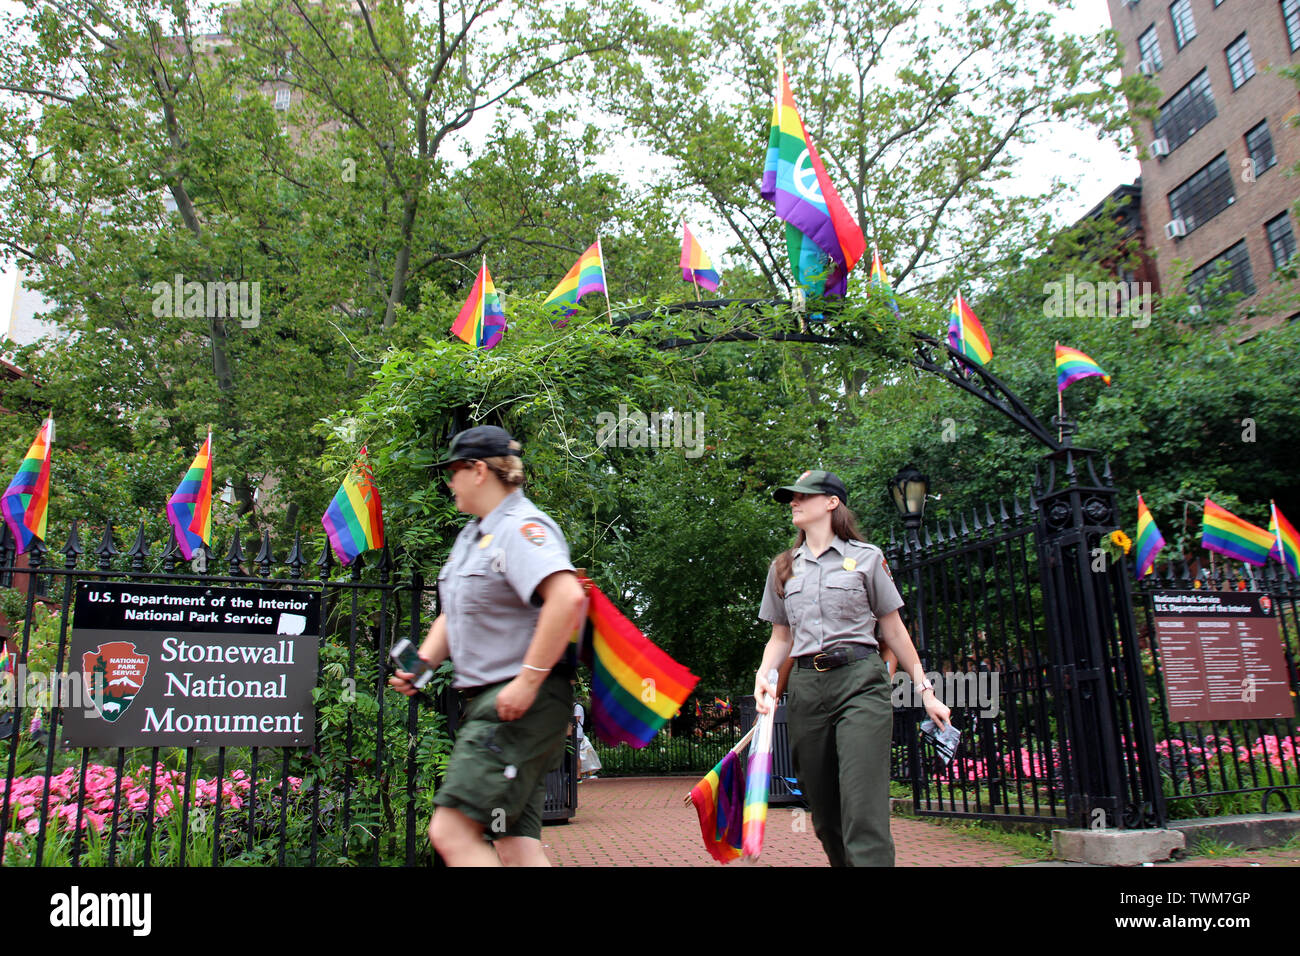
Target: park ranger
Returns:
[832, 602]
[510, 602]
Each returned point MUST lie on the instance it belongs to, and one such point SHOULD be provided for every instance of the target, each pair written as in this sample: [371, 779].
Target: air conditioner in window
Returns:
[1175, 229]
[1147, 68]
[1160, 147]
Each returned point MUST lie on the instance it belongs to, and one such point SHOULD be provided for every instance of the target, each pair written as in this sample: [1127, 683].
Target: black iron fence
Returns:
[360, 794]
[1225, 766]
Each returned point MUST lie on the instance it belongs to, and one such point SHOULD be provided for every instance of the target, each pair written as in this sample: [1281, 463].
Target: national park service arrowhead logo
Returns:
[114, 673]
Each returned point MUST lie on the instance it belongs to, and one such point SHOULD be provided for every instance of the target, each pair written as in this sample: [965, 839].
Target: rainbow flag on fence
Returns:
[965, 334]
[719, 801]
[1286, 542]
[822, 237]
[1149, 540]
[635, 686]
[6, 662]
[481, 321]
[879, 281]
[1072, 365]
[26, 502]
[189, 509]
[1225, 533]
[354, 519]
[697, 267]
[587, 275]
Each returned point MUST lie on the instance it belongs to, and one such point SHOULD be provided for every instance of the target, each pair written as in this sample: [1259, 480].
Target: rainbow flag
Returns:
[481, 322]
[1072, 365]
[879, 281]
[696, 265]
[1286, 543]
[26, 502]
[822, 237]
[1149, 540]
[720, 801]
[587, 275]
[1225, 533]
[354, 520]
[965, 334]
[635, 687]
[758, 780]
[7, 663]
[189, 509]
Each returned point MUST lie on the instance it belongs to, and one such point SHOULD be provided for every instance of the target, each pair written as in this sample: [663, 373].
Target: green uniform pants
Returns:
[841, 725]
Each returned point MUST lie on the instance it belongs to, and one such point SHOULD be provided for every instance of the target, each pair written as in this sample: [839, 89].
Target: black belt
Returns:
[837, 656]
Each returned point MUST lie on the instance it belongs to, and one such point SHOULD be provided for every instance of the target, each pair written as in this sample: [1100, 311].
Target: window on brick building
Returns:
[1234, 263]
[1186, 111]
[1149, 48]
[1281, 240]
[1180, 12]
[1204, 194]
[1241, 66]
[1259, 144]
[282, 99]
[1291, 18]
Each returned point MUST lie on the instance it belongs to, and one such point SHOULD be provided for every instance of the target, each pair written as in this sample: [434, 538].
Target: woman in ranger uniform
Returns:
[510, 600]
[832, 605]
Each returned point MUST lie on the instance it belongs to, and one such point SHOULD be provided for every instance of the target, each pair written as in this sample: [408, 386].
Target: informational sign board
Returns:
[176, 666]
[1221, 655]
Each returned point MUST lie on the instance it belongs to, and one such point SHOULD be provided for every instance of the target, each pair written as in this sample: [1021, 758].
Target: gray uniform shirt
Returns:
[487, 589]
[832, 599]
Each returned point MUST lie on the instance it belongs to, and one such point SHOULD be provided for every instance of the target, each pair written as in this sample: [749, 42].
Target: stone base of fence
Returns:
[1248, 831]
[1116, 847]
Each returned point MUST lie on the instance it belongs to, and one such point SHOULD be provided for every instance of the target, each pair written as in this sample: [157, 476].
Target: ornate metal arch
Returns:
[930, 355]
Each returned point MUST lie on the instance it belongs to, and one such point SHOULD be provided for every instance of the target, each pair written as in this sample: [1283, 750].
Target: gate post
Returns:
[1104, 736]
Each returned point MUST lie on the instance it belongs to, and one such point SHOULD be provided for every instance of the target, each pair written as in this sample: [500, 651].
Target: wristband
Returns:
[541, 670]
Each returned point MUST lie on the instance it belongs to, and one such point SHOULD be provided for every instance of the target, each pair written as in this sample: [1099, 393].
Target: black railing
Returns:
[354, 797]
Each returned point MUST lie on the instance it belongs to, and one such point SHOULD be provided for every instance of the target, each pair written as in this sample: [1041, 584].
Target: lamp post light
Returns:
[908, 489]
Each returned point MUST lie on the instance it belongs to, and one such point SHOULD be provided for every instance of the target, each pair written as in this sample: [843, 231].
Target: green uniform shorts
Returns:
[497, 772]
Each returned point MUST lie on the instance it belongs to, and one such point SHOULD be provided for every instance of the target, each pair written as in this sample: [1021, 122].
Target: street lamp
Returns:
[908, 489]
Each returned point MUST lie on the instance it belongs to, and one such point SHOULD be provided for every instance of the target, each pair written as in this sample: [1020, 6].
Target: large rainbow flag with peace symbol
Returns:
[822, 237]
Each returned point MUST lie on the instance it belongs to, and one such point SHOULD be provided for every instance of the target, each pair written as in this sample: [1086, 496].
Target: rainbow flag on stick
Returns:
[1286, 542]
[481, 321]
[879, 281]
[354, 520]
[965, 334]
[697, 267]
[587, 275]
[1223, 532]
[1072, 365]
[822, 237]
[189, 509]
[719, 800]
[759, 779]
[25, 503]
[1149, 540]
[635, 686]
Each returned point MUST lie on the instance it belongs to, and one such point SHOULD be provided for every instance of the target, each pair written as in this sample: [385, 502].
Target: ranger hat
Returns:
[814, 483]
[482, 441]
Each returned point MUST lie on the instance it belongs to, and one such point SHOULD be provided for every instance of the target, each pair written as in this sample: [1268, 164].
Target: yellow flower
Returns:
[1120, 539]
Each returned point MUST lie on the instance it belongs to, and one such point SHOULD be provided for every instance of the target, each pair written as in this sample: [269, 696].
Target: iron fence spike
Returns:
[139, 549]
[295, 559]
[264, 557]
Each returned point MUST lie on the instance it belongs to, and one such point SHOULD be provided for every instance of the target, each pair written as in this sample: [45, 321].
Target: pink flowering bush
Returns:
[100, 790]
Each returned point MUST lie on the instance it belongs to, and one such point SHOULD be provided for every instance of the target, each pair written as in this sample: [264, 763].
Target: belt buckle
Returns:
[817, 664]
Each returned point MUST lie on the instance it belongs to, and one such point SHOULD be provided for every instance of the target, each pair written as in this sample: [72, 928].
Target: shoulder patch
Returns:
[884, 563]
[533, 532]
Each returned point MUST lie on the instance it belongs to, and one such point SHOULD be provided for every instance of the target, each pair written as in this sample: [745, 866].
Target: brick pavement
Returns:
[640, 821]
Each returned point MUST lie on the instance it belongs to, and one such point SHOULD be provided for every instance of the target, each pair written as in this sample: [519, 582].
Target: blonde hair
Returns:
[509, 469]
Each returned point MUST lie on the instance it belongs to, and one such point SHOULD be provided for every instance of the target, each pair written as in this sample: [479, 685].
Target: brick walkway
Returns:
[640, 821]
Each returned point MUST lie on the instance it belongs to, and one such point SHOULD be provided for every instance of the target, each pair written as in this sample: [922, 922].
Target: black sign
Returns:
[175, 666]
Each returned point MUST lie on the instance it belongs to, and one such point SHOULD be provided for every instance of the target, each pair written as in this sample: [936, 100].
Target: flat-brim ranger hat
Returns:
[814, 483]
[482, 441]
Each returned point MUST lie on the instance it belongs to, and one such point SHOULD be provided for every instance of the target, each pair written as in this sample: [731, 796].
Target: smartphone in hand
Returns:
[406, 657]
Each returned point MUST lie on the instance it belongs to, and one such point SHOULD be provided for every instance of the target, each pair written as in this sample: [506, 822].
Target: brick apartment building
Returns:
[1214, 185]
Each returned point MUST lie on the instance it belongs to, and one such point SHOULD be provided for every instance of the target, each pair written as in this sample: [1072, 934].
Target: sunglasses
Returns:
[456, 466]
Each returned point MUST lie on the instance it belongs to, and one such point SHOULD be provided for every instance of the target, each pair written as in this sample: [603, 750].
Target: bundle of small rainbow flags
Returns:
[1225, 533]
